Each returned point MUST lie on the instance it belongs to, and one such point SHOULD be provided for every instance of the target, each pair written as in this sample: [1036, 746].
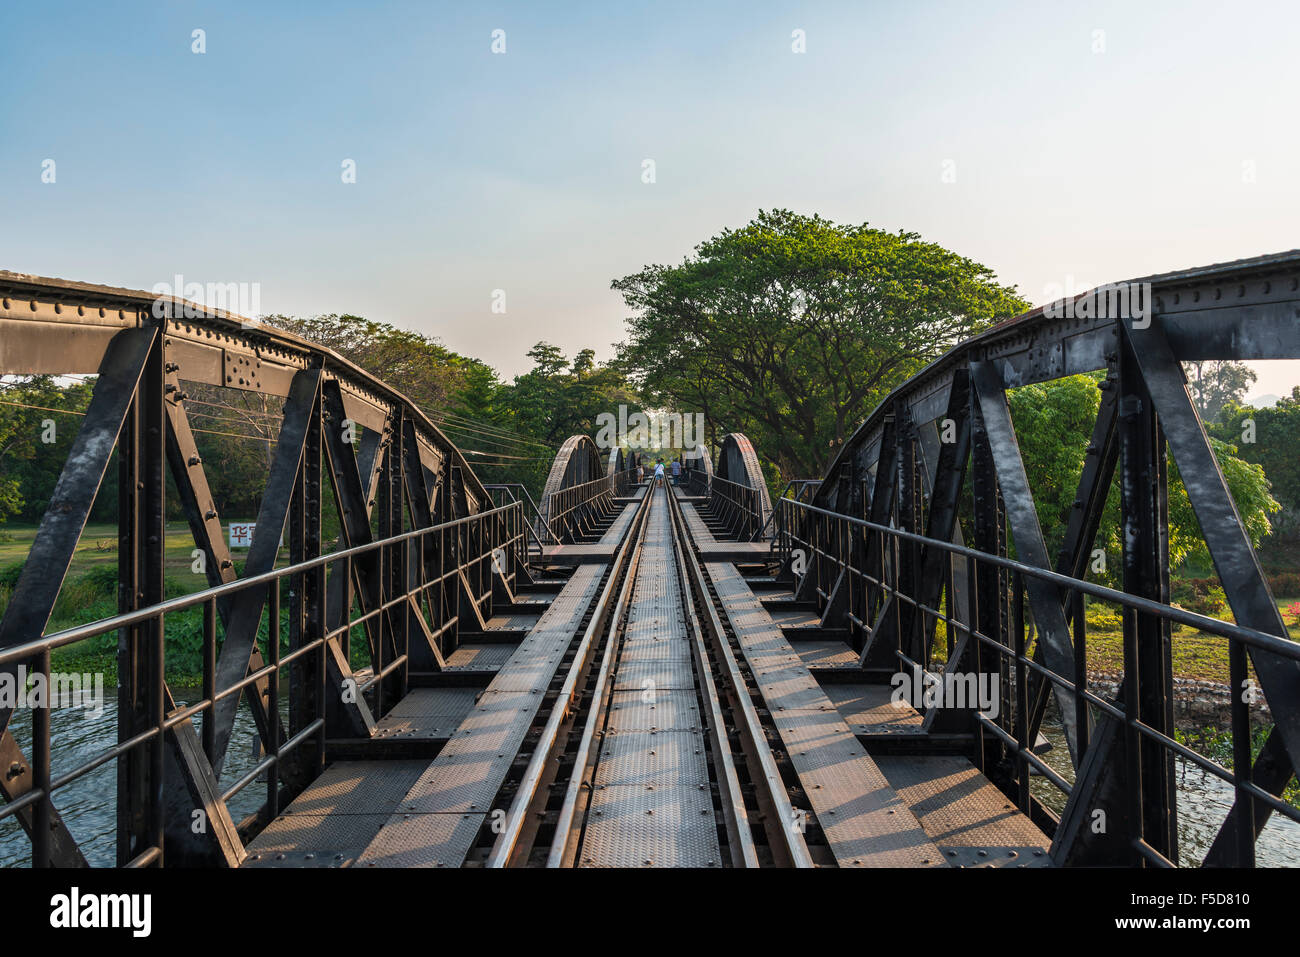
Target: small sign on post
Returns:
[241, 534]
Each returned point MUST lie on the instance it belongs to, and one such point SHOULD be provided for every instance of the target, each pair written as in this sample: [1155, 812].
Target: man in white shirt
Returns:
[659, 473]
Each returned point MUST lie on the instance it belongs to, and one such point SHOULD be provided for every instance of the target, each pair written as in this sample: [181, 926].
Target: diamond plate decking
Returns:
[865, 821]
[652, 806]
[468, 773]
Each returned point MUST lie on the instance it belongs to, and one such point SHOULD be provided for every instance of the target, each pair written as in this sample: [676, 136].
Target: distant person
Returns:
[659, 473]
[640, 473]
[677, 470]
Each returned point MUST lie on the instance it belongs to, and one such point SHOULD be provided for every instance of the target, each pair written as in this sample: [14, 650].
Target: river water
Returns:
[88, 805]
[1203, 803]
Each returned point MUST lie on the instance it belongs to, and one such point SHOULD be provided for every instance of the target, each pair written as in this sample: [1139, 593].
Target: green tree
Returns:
[1214, 383]
[792, 328]
[1054, 421]
[1270, 438]
[558, 398]
[39, 418]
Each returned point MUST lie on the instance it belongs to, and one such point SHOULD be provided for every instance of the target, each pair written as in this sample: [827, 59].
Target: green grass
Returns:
[98, 547]
[89, 594]
[1196, 654]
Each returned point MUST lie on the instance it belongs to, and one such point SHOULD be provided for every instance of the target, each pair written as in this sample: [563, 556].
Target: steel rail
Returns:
[770, 786]
[740, 837]
[564, 845]
[503, 848]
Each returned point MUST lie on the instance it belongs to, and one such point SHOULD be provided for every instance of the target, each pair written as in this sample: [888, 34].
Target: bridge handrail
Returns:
[803, 486]
[568, 508]
[741, 506]
[68, 636]
[536, 523]
[1225, 629]
[791, 512]
[511, 539]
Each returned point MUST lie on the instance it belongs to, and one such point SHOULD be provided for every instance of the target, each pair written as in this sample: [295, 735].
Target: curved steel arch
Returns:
[700, 461]
[576, 463]
[621, 460]
[738, 463]
[906, 465]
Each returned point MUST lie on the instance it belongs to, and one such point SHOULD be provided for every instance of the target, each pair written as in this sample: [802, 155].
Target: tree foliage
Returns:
[792, 328]
[1054, 421]
[1214, 383]
[39, 418]
[1270, 438]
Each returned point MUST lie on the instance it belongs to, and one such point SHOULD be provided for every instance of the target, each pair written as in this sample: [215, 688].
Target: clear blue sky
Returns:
[522, 171]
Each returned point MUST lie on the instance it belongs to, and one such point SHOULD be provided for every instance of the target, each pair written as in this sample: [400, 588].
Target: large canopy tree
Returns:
[792, 328]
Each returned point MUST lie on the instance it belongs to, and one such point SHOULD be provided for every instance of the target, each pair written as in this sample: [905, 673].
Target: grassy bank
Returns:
[89, 593]
[1196, 654]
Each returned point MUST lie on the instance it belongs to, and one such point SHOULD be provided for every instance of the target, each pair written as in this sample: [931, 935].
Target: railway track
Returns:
[655, 755]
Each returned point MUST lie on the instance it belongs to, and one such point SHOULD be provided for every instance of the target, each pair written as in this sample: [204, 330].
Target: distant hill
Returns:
[1262, 401]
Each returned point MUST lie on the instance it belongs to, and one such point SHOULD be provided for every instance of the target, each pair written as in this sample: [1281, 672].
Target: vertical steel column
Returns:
[306, 605]
[990, 589]
[1145, 507]
[142, 463]
[392, 564]
[910, 508]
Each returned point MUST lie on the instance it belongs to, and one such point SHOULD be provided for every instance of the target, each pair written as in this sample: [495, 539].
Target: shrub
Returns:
[9, 573]
[1103, 619]
[1202, 595]
[1283, 584]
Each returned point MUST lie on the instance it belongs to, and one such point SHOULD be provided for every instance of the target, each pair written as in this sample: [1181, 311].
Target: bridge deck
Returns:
[652, 778]
[651, 806]
[865, 822]
[417, 813]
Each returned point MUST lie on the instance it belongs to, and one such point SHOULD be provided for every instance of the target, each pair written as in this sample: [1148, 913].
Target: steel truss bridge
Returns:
[630, 675]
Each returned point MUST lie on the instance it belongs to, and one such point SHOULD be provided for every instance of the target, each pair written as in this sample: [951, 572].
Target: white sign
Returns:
[241, 535]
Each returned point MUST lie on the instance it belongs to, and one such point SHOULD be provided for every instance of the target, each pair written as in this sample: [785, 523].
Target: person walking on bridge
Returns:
[677, 469]
[659, 473]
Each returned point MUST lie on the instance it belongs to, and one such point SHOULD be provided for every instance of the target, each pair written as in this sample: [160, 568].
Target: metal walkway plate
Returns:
[868, 709]
[475, 656]
[331, 822]
[469, 771]
[699, 532]
[970, 820]
[663, 760]
[653, 711]
[614, 534]
[865, 822]
[423, 840]
[632, 826]
[652, 805]
[826, 653]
